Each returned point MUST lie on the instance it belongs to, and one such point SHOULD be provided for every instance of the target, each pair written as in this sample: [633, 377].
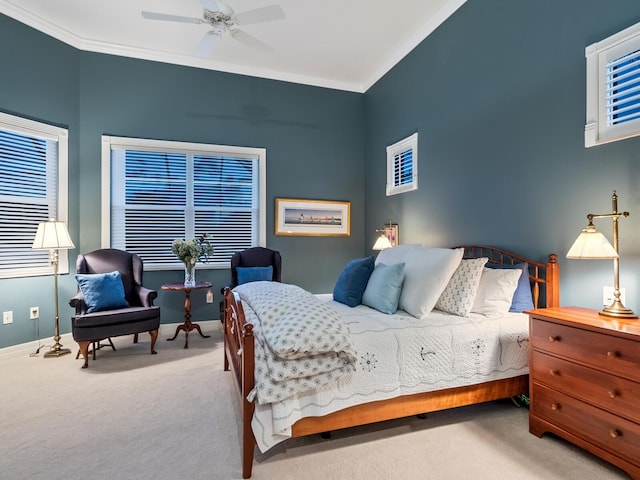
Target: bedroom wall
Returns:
[497, 94]
[314, 139]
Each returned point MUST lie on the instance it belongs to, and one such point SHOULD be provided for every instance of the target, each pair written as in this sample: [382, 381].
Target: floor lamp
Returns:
[52, 236]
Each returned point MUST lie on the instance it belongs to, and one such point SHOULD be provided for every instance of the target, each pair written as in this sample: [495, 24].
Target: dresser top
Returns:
[589, 318]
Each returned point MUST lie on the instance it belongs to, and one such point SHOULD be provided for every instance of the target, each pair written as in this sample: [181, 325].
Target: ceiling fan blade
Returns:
[170, 18]
[259, 15]
[205, 47]
[250, 41]
[210, 5]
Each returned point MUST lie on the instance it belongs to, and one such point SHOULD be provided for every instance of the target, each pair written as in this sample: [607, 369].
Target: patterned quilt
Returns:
[399, 355]
[300, 342]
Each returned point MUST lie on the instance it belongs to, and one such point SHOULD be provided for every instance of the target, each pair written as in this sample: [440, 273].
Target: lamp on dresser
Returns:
[52, 235]
[592, 244]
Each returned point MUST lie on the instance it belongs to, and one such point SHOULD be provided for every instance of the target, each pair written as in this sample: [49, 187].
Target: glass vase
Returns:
[189, 275]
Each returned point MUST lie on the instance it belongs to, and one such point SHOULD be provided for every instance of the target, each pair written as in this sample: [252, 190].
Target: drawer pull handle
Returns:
[555, 406]
[613, 433]
[554, 372]
[613, 354]
[613, 393]
[553, 338]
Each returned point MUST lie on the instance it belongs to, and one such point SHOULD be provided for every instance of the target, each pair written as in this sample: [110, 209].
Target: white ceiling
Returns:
[341, 44]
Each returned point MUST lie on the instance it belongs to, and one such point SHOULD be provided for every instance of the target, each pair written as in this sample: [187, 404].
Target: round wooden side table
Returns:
[187, 326]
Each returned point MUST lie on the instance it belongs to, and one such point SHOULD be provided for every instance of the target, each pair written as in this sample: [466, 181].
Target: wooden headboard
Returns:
[543, 277]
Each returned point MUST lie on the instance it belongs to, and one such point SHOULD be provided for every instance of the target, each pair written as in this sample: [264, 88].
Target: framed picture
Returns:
[312, 218]
[391, 232]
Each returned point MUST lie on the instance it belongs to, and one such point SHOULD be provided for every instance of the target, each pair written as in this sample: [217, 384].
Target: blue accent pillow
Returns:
[522, 299]
[254, 274]
[384, 288]
[353, 280]
[102, 291]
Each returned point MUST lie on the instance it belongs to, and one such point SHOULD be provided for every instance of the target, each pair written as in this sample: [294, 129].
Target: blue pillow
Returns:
[522, 299]
[353, 280]
[102, 291]
[384, 287]
[254, 274]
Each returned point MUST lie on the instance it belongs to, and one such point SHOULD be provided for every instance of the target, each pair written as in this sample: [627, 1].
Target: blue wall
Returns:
[497, 94]
[314, 139]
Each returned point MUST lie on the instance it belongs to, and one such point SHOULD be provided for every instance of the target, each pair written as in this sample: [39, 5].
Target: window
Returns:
[33, 189]
[402, 166]
[160, 190]
[613, 88]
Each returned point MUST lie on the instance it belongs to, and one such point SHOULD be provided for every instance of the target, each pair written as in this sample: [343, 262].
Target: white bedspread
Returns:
[398, 355]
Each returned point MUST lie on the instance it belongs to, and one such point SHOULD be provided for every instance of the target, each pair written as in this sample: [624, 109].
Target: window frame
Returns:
[408, 143]
[60, 201]
[598, 55]
[108, 142]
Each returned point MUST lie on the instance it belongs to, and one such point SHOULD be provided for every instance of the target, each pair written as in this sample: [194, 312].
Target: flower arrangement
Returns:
[190, 251]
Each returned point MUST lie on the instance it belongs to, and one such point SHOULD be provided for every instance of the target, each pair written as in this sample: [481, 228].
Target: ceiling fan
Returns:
[222, 19]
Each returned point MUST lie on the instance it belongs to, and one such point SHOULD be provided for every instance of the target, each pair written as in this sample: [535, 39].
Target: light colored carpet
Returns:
[132, 415]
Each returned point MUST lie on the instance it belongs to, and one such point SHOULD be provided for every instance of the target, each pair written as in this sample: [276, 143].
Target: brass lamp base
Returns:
[56, 352]
[618, 310]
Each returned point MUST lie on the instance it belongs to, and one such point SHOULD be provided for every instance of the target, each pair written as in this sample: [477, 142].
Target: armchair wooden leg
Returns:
[84, 348]
[154, 337]
[135, 338]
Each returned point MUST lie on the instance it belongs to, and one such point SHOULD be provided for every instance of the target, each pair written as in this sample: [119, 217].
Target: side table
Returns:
[187, 326]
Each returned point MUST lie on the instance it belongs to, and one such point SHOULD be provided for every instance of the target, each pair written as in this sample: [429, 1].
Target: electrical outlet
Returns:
[607, 296]
[209, 296]
[34, 313]
[7, 317]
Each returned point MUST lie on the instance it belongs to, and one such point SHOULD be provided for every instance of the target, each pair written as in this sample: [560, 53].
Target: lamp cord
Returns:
[37, 352]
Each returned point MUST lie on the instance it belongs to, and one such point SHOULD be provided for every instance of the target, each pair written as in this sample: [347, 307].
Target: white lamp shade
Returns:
[52, 234]
[381, 243]
[592, 244]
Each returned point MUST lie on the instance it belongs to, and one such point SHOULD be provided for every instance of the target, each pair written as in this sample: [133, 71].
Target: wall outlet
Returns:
[34, 313]
[209, 296]
[7, 317]
[607, 296]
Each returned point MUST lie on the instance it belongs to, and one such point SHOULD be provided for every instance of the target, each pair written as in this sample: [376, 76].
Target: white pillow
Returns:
[426, 274]
[495, 292]
[459, 294]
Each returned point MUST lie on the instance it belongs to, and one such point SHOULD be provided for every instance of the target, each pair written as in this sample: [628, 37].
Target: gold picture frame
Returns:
[297, 217]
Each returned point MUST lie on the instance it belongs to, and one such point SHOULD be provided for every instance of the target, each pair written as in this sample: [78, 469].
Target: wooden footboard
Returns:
[239, 357]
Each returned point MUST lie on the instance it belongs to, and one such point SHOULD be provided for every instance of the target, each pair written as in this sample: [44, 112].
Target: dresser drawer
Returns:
[615, 394]
[608, 353]
[609, 432]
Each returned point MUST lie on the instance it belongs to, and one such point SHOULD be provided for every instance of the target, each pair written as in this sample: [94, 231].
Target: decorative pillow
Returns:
[102, 291]
[384, 287]
[427, 272]
[495, 292]
[522, 299]
[254, 274]
[353, 280]
[460, 292]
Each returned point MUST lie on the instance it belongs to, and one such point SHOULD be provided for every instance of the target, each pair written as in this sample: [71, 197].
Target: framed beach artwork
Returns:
[312, 217]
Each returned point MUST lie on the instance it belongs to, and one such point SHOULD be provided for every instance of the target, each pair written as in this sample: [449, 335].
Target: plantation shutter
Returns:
[402, 168]
[623, 89]
[157, 197]
[28, 196]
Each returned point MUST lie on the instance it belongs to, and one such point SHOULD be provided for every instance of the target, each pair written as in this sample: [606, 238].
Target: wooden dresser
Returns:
[584, 382]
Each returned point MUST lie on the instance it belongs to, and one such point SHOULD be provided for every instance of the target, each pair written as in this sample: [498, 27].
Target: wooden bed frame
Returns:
[239, 357]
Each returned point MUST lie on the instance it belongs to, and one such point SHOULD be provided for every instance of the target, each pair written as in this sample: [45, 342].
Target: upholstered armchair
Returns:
[103, 307]
[249, 259]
